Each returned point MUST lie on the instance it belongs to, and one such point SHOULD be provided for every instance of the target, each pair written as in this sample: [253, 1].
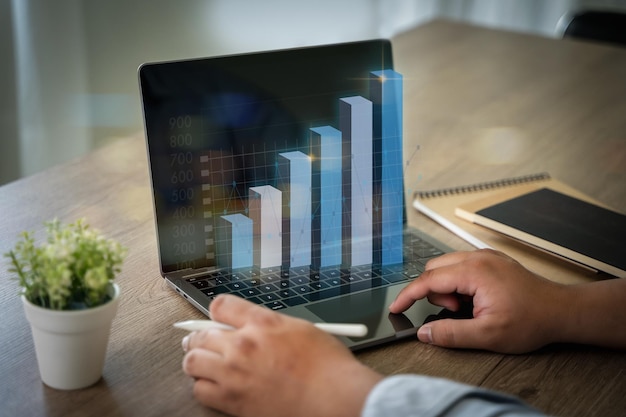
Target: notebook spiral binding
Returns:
[462, 189]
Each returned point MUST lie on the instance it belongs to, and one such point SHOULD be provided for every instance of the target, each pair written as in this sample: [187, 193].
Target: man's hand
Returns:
[514, 309]
[273, 365]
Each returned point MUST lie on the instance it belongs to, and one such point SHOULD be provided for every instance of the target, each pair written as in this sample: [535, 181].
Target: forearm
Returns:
[595, 314]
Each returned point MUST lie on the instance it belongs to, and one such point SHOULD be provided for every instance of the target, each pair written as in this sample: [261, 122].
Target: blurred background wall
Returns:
[68, 74]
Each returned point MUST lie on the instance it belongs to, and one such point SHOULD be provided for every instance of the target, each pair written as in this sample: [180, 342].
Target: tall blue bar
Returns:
[294, 182]
[386, 95]
[326, 196]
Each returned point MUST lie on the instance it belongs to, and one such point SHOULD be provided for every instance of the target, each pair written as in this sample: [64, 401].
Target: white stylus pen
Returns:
[339, 329]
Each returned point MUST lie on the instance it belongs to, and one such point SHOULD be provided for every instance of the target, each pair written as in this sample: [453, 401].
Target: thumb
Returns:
[452, 333]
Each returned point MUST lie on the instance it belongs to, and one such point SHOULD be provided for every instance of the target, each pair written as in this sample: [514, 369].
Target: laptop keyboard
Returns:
[278, 288]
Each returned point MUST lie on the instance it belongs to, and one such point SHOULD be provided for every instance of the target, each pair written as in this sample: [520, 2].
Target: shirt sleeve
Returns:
[423, 396]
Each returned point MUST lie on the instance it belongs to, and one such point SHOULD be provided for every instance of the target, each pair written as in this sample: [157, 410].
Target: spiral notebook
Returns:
[463, 207]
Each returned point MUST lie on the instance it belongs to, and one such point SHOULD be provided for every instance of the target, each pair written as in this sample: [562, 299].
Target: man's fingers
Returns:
[233, 310]
[449, 301]
[453, 333]
[447, 259]
[448, 279]
[203, 363]
[207, 392]
[212, 339]
[457, 257]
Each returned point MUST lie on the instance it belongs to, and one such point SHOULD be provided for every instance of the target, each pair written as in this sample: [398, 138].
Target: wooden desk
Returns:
[559, 105]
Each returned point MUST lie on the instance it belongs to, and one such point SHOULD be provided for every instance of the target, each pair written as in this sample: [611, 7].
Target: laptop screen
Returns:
[275, 159]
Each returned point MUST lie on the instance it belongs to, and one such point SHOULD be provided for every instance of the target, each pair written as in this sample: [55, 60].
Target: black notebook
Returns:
[559, 223]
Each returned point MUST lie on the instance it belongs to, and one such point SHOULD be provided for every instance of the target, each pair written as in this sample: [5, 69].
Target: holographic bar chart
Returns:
[338, 202]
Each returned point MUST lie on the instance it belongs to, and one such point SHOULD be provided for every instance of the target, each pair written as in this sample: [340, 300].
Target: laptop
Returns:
[278, 176]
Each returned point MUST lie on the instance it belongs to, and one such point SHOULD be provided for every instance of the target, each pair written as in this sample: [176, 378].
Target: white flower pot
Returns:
[71, 344]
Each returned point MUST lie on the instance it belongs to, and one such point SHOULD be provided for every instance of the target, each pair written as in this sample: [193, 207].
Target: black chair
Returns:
[601, 26]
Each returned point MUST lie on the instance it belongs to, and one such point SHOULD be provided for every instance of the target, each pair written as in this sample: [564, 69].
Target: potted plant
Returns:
[69, 298]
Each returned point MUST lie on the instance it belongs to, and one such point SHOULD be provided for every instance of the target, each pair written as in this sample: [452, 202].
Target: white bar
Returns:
[360, 132]
[266, 213]
[299, 208]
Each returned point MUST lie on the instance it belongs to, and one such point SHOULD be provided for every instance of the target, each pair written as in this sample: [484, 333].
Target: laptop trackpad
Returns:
[371, 309]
